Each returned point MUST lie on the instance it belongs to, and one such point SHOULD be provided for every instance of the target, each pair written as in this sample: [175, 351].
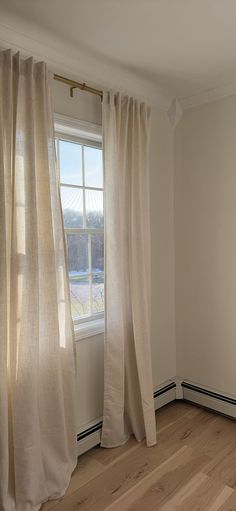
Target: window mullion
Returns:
[79, 230]
[83, 182]
[90, 274]
[57, 155]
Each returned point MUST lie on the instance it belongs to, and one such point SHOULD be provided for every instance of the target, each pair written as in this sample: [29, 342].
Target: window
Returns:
[81, 181]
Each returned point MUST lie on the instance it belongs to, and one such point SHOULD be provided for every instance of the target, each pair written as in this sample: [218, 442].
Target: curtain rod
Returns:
[77, 85]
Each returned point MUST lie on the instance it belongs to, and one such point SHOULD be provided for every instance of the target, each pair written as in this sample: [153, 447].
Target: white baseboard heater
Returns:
[91, 436]
[202, 396]
[177, 388]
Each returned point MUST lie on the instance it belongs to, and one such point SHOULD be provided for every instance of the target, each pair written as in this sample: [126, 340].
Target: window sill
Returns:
[88, 329]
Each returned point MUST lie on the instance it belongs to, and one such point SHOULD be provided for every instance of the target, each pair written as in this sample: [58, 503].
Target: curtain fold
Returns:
[128, 388]
[37, 368]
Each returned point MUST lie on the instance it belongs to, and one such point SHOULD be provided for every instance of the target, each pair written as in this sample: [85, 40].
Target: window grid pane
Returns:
[72, 206]
[77, 254]
[94, 208]
[80, 297]
[70, 161]
[93, 172]
[97, 252]
[98, 293]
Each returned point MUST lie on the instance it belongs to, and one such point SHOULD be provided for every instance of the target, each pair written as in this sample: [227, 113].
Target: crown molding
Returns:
[78, 64]
[74, 62]
[207, 96]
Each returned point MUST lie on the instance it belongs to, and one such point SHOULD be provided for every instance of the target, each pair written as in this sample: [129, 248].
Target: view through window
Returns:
[81, 177]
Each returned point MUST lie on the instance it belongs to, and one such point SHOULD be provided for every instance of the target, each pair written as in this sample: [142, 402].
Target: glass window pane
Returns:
[94, 208]
[80, 297]
[77, 250]
[93, 168]
[72, 205]
[97, 249]
[98, 293]
[70, 162]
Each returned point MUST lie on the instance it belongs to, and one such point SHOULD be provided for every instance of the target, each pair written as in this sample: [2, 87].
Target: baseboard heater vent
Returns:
[165, 389]
[209, 399]
[89, 431]
[91, 436]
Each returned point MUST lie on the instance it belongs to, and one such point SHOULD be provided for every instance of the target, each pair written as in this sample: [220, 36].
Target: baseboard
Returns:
[90, 436]
[164, 394]
[211, 399]
[175, 389]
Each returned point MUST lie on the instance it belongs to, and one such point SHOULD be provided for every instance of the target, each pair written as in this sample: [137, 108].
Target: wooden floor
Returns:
[192, 468]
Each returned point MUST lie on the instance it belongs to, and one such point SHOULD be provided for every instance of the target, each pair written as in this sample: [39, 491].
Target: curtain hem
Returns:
[119, 444]
[62, 493]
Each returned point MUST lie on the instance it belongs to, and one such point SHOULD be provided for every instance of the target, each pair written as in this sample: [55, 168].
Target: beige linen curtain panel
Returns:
[128, 393]
[37, 371]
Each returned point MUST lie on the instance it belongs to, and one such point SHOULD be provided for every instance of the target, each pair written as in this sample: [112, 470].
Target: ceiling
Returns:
[185, 46]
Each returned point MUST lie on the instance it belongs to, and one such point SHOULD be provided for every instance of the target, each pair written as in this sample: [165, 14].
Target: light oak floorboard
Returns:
[141, 494]
[201, 493]
[192, 468]
[230, 504]
[165, 417]
[222, 468]
[86, 470]
[173, 412]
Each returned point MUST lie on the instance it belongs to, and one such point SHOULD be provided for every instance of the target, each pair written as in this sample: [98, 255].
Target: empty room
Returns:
[118, 255]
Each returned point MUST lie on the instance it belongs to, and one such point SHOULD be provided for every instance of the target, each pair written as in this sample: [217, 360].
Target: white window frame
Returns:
[89, 134]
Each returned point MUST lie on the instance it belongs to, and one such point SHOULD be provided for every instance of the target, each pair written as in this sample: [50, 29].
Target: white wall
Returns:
[205, 244]
[162, 254]
[89, 352]
[204, 250]
[83, 106]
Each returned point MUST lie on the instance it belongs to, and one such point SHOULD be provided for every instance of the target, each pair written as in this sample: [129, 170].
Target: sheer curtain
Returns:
[128, 394]
[37, 371]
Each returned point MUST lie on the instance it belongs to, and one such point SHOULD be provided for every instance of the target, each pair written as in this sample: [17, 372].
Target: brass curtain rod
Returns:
[77, 85]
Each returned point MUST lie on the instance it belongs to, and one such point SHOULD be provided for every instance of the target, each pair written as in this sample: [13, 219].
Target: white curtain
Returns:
[128, 394]
[37, 370]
